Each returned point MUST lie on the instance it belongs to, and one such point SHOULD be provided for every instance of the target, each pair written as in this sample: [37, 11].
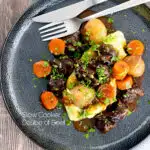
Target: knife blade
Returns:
[67, 12]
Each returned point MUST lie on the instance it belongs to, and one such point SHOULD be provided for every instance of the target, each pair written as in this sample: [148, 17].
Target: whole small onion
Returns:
[136, 65]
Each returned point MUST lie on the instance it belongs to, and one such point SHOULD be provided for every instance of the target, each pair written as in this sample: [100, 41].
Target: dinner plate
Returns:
[21, 90]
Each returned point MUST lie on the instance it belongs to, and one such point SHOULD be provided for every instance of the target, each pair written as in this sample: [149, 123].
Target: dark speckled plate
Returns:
[21, 90]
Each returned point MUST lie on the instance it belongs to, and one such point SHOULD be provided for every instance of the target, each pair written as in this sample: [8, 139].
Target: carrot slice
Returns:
[135, 47]
[120, 70]
[126, 83]
[106, 91]
[41, 68]
[49, 100]
[57, 46]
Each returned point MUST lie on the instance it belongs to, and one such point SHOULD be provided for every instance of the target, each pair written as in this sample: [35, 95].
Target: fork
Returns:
[68, 27]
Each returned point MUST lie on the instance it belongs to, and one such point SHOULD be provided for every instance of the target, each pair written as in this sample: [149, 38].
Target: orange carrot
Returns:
[135, 47]
[49, 100]
[120, 70]
[57, 46]
[106, 91]
[125, 84]
[41, 68]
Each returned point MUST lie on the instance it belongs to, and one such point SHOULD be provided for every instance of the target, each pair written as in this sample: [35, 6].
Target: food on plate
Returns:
[41, 68]
[135, 47]
[136, 65]
[125, 84]
[95, 75]
[120, 70]
[94, 30]
[57, 46]
[49, 100]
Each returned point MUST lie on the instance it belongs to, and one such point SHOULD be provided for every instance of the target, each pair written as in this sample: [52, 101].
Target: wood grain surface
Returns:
[11, 138]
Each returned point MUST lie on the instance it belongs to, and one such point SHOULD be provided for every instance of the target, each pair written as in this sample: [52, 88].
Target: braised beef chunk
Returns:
[138, 81]
[104, 124]
[64, 66]
[108, 54]
[132, 95]
[56, 85]
[108, 119]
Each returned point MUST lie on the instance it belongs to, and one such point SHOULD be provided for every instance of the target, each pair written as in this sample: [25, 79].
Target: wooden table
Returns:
[11, 138]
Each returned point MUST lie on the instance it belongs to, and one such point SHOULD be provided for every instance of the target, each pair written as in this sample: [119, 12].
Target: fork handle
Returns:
[123, 6]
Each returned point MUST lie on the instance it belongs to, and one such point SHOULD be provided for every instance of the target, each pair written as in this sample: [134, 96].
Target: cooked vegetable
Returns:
[95, 30]
[136, 65]
[49, 100]
[135, 47]
[87, 56]
[118, 41]
[56, 46]
[72, 81]
[80, 95]
[120, 70]
[125, 84]
[41, 68]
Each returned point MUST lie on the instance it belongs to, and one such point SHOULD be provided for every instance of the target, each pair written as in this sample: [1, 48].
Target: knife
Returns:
[67, 12]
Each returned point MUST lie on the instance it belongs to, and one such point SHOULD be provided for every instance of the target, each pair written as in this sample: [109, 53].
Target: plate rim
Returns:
[29, 11]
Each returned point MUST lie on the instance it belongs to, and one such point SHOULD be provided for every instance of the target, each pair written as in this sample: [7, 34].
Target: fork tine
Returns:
[50, 25]
[55, 32]
[55, 36]
[51, 29]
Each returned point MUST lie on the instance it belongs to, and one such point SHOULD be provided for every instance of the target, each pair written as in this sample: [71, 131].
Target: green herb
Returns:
[114, 59]
[55, 75]
[68, 122]
[78, 44]
[77, 54]
[110, 20]
[129, 113]
[95, 47]
[107, 101]
[101, 75]
[63, 57]
[99, 94]
[46, 64]
[126, 95]
[149, 102]
[91, 130]
[71, 48]
[86, 82]
[56, 48]
[35, 86]
[134, 32]
[71, 85]
[59, 105]
[138, 101]
[87, 33]
[86, 135]
[64, 115]
[30, 59]
[114, 99]
[143, 30]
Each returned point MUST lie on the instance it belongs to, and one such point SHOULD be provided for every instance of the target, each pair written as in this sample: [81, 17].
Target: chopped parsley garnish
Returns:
[114, 59]
[71, 85]
[114, 99]
[86, 82]
[125, 95]
[68, 122]
[99, 94]
[59, 105]
[91, 130]
[46, 64]
[95, 47]
[70, 48]
[101, 75]
[86, 135]
[78, 44]
[55, 75]
[110, 20]
[30, 59]
[149, 102]
[35, 86]
[77, 54]
[129, 113]
[107, 101]
[143, 30]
